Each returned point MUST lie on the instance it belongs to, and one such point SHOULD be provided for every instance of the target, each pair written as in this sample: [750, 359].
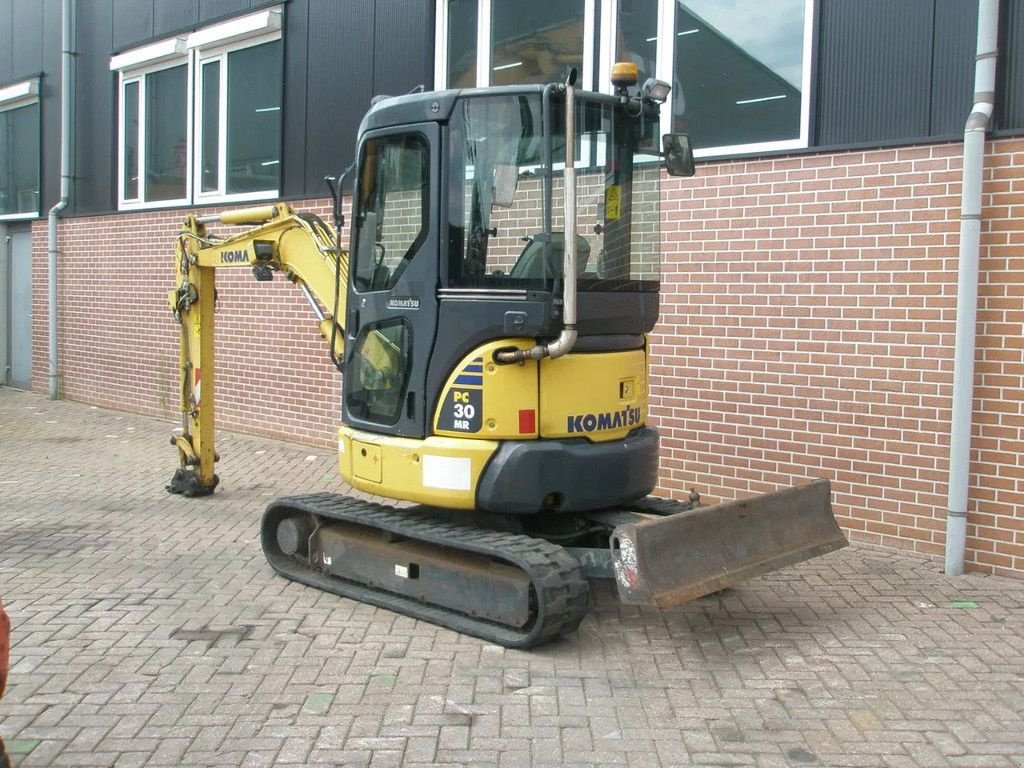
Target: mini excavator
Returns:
[490, 320]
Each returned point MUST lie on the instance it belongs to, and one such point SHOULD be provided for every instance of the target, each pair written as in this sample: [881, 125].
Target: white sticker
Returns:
[448, 472]
[402, 571]
[625, 564]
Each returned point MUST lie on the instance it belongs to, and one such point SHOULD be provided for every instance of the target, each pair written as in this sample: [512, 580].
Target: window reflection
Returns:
[166, 149]
[131, 140]
[19, 160]
[535, 41]
[210, 160]
[462, 16]
[740, 66]
[638, 36]
[254, 118]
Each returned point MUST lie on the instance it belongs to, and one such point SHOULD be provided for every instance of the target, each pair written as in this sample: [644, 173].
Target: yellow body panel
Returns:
[487, 400]
[601, 396]
[439, 470]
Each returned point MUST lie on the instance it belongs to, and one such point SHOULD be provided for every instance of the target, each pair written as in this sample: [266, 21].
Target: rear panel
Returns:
[599, 396]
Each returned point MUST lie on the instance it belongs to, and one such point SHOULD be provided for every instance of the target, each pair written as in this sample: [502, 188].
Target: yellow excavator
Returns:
[490, 320]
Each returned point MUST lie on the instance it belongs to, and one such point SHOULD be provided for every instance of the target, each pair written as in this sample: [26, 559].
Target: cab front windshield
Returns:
[506, 211]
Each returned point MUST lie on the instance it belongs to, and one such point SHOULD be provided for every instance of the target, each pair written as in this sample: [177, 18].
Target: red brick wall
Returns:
[807, 331]
[808, 313]
[118, 341]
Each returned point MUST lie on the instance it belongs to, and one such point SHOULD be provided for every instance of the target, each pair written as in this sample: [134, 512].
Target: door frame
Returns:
[7, 233]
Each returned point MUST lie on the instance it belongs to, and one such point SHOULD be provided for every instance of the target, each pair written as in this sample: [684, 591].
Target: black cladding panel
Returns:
[95, 189]
[956, 30]
[293, 105]
[215, 9]
[27, 39]
[408, 28]
[6, 33]
[133, 23]
[49, 54]
[339, 85]
[874, 70]
[1009, 114]
[172, 15]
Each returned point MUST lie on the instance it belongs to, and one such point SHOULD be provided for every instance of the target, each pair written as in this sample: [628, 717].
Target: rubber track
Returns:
[561, 590]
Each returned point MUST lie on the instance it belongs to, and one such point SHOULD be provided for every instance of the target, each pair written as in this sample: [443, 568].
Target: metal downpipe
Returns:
[66, 61]
[5, 291]
[967, 287]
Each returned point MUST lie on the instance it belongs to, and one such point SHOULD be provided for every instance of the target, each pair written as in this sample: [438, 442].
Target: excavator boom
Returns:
[303, 248]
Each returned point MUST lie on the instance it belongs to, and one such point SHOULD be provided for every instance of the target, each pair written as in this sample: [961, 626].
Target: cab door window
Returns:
[391, 218]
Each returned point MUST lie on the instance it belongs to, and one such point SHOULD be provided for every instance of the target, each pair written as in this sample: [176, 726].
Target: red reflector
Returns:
[527, 422]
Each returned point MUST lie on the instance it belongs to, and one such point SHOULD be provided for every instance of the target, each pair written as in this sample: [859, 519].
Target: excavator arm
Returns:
[278, 239]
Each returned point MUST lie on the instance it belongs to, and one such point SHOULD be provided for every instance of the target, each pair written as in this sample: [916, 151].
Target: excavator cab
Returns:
[461, 219]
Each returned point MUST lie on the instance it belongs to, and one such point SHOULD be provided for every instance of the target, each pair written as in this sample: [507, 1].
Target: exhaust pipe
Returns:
[567, 338]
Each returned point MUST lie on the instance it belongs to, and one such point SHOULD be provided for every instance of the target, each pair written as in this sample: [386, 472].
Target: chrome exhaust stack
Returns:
[567, 338]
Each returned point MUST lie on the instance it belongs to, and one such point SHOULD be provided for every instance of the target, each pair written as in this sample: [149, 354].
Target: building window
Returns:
[239, 142]
[536, 41]
[744, 76]
[740, 71]
[200, 116]
[461, 32]
[154, 129]
[19, 150]
[492, 42]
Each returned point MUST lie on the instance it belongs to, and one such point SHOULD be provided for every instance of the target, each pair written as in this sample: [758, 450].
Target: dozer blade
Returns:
[669, 560]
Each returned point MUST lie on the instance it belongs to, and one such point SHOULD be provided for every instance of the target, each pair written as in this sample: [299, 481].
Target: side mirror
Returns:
[678, 154]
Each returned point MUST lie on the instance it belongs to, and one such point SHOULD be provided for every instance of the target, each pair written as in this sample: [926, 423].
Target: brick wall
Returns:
[807, 331]
[119, 342]
[808, 313]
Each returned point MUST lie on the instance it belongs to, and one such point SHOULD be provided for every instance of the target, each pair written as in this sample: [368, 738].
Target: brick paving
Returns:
[149, 631]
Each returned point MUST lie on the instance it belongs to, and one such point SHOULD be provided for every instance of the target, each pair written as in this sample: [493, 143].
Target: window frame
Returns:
[666, 40]
[483, 43]
[599, 77]
[138, 75]
[24, 93]
[202, 57]
[205, 44]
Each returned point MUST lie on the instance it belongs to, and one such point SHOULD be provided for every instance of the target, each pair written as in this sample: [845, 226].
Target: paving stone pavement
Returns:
[149, 631]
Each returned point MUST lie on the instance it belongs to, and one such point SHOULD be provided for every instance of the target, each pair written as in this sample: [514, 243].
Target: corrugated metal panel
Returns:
[874, 69]
[6, 33]
[133, 23]
[171, 15]
[956, 31]
[339, 84]
[49, 114]
[1010, 88]
[215, 9]
[95, 189]
[408, 28]
[27, 40]
[293, 112]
